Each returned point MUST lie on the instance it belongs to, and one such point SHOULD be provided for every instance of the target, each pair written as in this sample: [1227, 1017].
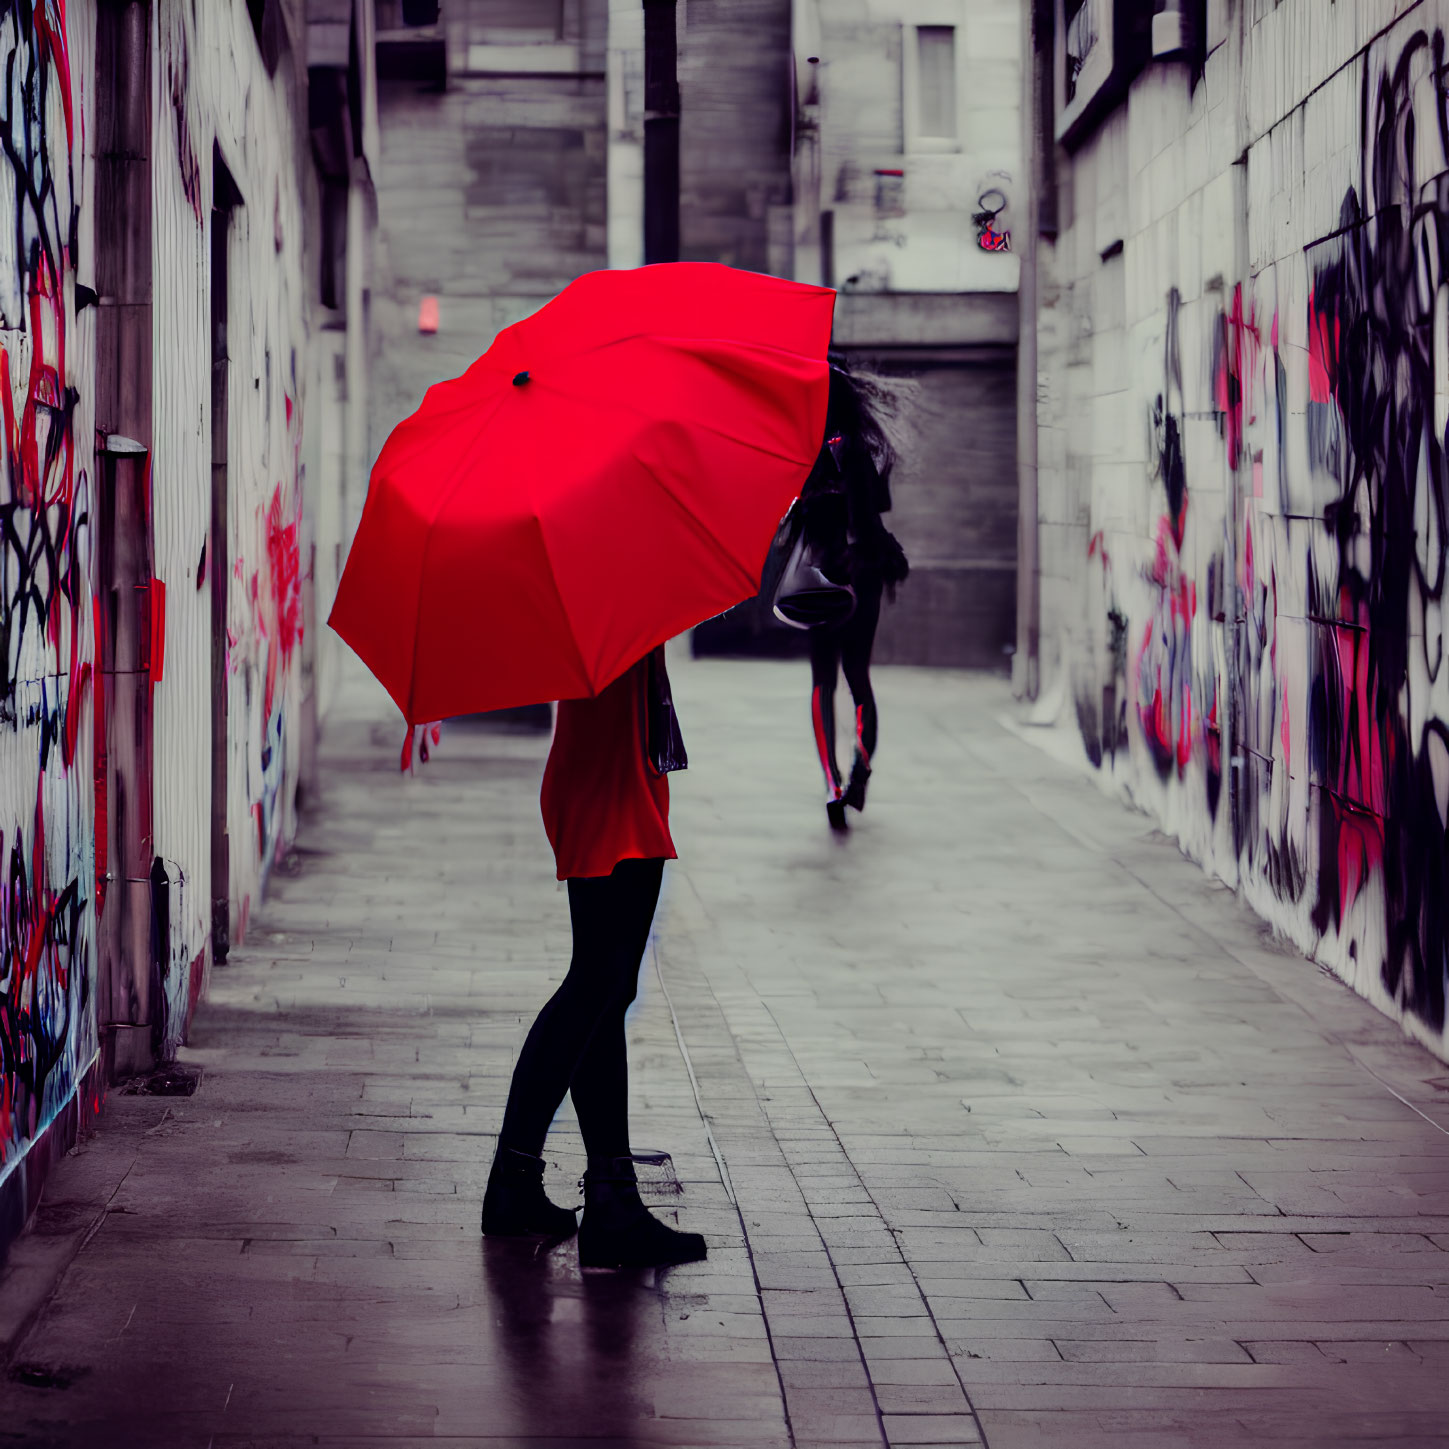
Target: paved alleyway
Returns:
[1012, 1103]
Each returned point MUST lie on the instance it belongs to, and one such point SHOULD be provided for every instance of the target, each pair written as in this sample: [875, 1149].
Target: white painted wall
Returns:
[210, 85]
[858, 116]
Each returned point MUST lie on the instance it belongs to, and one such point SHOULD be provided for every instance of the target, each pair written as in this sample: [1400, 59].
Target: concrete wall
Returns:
[491, 198]
[210, 86]
[734, 132]
[1243, 486]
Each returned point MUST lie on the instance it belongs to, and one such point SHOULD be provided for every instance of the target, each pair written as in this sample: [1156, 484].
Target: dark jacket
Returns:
[843, 500]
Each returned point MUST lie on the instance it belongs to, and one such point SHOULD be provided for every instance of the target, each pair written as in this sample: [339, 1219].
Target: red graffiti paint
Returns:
[157, 591]
[100, 765]
[195, 979]
[285, 560]
[1236, 350]
[75, 699]
[284, 603]
[1165, 707]
[1323, 338]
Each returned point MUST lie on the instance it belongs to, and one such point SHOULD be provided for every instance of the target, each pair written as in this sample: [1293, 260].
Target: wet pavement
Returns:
[1003, 1123]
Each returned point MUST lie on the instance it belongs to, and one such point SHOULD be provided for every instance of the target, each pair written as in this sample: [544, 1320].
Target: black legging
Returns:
[576, 1043]
[846, 647]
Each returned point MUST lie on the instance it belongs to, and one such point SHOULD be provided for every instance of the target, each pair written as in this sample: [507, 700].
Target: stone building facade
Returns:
[1242, 485]
[907, 184]
[873, 147]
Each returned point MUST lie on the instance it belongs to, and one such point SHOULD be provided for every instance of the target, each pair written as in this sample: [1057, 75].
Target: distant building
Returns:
[873, 147]
[907, 179]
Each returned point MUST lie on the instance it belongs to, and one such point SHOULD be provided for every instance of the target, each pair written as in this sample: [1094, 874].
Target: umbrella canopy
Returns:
[609, 473]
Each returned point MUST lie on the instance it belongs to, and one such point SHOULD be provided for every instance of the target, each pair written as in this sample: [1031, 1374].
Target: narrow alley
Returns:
[1004, 1125]
[1080, 367]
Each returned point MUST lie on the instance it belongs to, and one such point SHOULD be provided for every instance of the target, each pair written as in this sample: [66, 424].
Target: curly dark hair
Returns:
[845, 521]
[862, 407]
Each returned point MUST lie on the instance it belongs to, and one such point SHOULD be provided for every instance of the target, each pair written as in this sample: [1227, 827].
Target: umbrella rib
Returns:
[699, 530]
[460, 479]
[553, 575]
[755, 447]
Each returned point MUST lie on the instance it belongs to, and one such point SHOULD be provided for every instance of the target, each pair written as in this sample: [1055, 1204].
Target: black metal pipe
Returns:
[661, 133]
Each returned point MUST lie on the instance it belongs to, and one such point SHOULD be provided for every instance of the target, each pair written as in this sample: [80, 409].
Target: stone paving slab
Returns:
[1006, 1127]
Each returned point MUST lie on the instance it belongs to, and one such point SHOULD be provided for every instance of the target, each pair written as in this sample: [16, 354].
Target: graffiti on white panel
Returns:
[47, 825]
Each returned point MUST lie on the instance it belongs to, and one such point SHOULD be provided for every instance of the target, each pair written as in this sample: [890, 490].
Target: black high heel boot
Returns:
[835, 814]
[618, 1231]
[515, 1204]
[859, 779]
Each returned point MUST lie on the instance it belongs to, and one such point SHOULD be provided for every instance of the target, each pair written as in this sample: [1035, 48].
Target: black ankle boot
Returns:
[618, 1231]
[515, 1204]
[835, 814]
[859, 779]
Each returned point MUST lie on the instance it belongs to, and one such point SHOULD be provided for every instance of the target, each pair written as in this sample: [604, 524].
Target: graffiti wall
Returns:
[1246, 397]
[214, 99]
[48, 1037]
[232, 184]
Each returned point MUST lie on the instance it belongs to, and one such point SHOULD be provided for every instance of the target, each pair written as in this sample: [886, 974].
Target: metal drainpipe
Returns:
[1025, 664]
[661, 132]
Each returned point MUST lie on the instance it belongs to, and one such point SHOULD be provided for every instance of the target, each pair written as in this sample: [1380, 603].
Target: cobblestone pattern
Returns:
[1147, 1168]
[1015, 1130]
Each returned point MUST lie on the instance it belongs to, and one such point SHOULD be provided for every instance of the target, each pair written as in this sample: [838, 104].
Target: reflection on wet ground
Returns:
[581, 1346]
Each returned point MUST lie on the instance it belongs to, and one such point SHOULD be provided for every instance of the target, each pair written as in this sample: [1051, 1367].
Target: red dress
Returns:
[602, 802]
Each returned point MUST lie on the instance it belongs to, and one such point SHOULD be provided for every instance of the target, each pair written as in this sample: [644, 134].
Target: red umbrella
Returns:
[609, 473]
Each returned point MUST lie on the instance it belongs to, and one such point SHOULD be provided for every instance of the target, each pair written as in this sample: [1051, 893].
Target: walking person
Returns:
[843, 500]
[605, 806]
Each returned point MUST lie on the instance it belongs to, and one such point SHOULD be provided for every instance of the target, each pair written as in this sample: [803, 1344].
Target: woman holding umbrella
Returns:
[610, 473]
[606, 809]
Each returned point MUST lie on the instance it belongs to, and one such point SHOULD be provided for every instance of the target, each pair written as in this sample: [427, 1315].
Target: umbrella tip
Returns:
[519, 378]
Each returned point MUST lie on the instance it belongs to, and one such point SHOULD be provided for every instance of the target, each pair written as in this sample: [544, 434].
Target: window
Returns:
[936, 81]
[1098, 47]
[1082, 29]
